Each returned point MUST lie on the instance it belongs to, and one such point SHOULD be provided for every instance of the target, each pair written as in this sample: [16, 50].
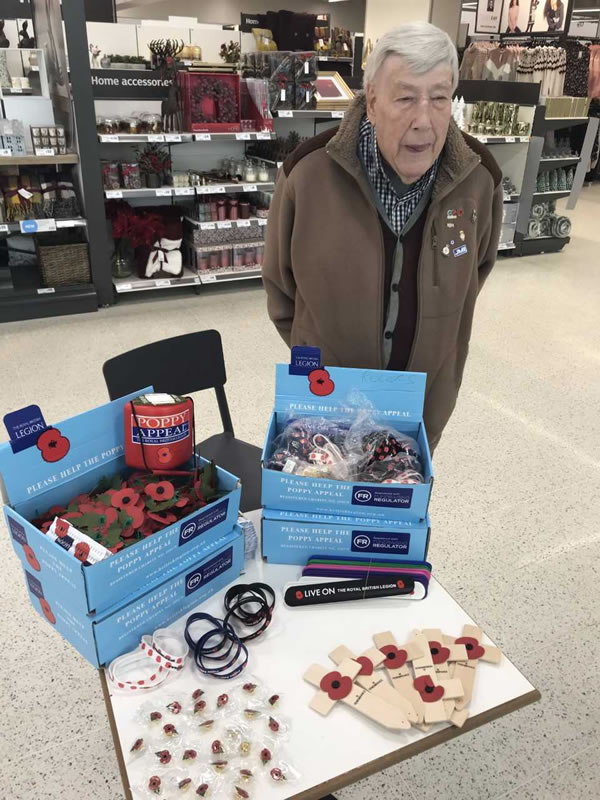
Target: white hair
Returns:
[421, 45]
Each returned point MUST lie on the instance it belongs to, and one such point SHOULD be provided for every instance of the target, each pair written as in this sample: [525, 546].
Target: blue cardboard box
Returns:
[115, 631]
[397, 399]
[290, 538]
[33, 485]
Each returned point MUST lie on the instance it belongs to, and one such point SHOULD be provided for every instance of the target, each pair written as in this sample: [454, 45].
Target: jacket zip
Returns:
[434, 247]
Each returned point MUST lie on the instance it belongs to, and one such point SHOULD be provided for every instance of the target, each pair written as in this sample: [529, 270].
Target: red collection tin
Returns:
[159, 432]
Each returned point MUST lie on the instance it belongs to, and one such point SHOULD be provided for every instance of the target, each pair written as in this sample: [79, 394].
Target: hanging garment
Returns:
[577, 69]
[594, 75]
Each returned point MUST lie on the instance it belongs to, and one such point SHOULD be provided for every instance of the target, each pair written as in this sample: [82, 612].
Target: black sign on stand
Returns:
[249, 21]
[129, 84]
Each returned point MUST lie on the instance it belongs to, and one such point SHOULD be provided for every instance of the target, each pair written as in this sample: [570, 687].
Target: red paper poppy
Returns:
[474, 649]
[136, 515]
[56, 511]
[439, 653]
[124, 498]
[31, 559]
[72, 515]
[394, 657]
[164, 756]
[182, 502]
[46, 525]
[162, 516]
[366, 665]
[62, 528]
[163, 490]
[189, 755]
[336, 685]
[111, 515]
[117, 547]
[52, 445]
[427, 689]
[129, 530]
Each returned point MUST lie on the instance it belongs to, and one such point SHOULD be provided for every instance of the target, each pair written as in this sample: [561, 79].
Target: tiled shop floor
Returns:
[514, 513]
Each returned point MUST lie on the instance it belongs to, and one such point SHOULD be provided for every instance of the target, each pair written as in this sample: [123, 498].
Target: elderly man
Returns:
[382, 231]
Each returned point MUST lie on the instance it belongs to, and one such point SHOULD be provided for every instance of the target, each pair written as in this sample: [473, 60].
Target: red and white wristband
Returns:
[150, 664]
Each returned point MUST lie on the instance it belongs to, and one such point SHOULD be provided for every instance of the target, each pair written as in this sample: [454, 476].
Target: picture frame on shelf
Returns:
[332, 91]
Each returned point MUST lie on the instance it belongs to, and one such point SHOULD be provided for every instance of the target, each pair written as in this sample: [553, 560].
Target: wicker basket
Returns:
[65, 264]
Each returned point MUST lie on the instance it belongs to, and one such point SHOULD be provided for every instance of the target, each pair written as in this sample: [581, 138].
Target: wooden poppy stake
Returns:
[396, 665]
[375, 683]
[465, 670]
[436, 663]
[338, 685]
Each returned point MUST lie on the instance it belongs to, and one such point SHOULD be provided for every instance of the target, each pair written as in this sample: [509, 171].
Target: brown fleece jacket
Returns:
[324, 266]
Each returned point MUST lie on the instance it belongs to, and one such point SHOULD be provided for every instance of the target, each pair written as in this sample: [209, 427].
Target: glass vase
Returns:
[123, 259]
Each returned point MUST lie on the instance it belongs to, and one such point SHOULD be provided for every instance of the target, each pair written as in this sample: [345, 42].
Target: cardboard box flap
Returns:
[395, 396]
[93, 437]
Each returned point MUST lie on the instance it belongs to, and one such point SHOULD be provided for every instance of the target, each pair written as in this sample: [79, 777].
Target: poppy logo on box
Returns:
[363, 496]
[362, 542]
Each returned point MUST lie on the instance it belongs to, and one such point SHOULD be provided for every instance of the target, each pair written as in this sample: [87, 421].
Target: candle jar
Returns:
[225, 259]
[213, 261]
[110, 175]
[133, 125]
[260, 254]
[238, 258]
[132, 178]
[249, 257]
[213, 211]
[244, 209]
[202, 261]
[233, 208]
[263, 173]
[221, 210]
[249, 173]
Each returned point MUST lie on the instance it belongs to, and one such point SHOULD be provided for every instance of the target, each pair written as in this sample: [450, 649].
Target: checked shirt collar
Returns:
[398, 209]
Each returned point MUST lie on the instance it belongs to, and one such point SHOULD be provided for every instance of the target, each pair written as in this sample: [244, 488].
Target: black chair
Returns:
[181, 365]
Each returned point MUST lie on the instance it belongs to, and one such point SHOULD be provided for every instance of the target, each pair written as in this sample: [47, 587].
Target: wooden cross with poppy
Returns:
[396, 665]
[435, 664]
[370, 661]
[338, 685]
[476, 651]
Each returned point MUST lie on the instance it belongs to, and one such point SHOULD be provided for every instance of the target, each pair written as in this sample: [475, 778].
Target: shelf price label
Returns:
[124, 287]
[156, 137]
[216, 189]
[37, 225]
[113, 194]
[196, 280]
[209, 279]
[262, 221]
[208, 226]
[243, 137]
[249, 187]
[47, 290]
[163, 282]
[69, 223]
[5, 152]
[225, 225]
[3, 228]
[337, 114]
[510, 139]
[181, 190]
[202, 137]
[164, 192]
[263, 135]
[172, 137]
[45, 151]
[111, 137]
[285, 113]
[243, 223]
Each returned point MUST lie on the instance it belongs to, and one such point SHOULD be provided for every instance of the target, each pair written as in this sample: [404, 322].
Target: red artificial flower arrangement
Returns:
[141, 228]
[119, 512]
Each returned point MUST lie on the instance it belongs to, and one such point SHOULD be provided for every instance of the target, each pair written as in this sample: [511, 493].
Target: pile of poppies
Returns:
[120, 511]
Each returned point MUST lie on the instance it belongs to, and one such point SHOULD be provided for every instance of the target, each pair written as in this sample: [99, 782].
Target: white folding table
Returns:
[344, 747]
